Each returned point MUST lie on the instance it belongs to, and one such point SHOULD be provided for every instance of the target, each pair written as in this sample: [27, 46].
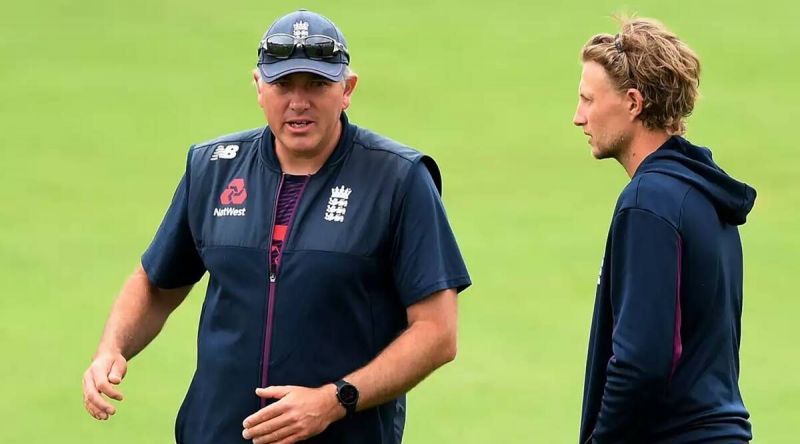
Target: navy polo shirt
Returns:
[369, 237]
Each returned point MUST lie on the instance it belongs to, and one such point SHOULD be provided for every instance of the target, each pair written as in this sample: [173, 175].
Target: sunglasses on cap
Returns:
[316, 47]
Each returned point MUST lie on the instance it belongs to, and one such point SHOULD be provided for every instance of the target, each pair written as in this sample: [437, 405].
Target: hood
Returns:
[691, 164]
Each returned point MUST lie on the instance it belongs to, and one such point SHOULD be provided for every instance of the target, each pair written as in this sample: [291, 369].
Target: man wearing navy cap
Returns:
[333, 271]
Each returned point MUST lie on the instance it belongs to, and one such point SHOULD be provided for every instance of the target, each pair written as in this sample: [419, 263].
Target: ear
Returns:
[635, 102]
[349, 86]
[257, 84]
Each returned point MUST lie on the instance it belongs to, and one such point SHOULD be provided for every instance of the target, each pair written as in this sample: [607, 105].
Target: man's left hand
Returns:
[299, 414]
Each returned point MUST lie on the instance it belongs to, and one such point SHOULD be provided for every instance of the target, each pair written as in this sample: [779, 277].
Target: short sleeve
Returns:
[172, 259]
[426, 258]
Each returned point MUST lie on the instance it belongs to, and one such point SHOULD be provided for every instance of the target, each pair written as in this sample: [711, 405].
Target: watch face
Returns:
[348, 394]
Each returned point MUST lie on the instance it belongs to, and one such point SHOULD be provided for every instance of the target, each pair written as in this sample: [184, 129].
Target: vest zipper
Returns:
[273, 278]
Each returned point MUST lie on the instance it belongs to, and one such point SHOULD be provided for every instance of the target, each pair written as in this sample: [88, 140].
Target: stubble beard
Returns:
[613, 147]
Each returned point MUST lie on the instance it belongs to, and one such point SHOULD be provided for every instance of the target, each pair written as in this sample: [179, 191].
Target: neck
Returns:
[307, 163]
[643, 143]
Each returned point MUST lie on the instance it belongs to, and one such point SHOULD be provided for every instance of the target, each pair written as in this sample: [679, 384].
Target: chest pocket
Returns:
[342, 216]
[233, 207]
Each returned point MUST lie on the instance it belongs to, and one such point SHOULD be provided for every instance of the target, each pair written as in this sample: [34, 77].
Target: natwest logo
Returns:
[235, 194]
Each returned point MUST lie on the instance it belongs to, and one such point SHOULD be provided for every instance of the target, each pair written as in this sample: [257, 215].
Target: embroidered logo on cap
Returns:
[300, 30]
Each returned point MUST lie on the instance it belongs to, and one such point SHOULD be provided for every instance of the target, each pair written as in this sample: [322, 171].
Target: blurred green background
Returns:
[100, 100]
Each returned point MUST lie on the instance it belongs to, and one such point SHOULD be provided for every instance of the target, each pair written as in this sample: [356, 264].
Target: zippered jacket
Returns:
[369, 238]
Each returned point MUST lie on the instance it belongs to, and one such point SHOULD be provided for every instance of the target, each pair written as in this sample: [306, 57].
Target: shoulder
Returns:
[379, 145]
[402, 158]
[656, 193]
[228, 145]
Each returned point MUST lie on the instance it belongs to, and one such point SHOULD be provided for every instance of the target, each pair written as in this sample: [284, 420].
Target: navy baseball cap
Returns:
[299, 25]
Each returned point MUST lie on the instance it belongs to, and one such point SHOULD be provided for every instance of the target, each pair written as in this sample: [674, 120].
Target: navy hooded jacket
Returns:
[369, 238]
[663, 362]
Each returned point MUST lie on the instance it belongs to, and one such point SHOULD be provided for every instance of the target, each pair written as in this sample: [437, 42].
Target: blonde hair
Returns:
[647, 57]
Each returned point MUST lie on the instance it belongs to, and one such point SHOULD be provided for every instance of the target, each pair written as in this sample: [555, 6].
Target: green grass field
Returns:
[100, 101]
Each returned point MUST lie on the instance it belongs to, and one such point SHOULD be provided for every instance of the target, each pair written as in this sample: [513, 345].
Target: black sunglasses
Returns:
[316, 47]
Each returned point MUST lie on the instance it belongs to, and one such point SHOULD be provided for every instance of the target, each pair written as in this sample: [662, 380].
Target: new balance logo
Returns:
[234, 194]
[225, 152]
[337, 204]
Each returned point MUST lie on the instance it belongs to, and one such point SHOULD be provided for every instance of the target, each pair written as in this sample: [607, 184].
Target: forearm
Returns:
[138, 314]
[427, 344]
[422, 348]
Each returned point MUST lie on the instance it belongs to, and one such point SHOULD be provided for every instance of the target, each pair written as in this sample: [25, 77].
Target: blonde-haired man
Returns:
[663, 362]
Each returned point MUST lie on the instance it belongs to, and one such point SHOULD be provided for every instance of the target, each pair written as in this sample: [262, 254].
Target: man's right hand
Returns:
[104, 373]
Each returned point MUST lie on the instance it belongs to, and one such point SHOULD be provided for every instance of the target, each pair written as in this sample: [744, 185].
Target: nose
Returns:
[299, 101]
[578, 119]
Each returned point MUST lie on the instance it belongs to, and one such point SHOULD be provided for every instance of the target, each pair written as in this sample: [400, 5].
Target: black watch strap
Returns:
[347, 395]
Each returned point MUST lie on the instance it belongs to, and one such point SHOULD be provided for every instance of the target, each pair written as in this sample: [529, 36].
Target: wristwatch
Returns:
[347, 394]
